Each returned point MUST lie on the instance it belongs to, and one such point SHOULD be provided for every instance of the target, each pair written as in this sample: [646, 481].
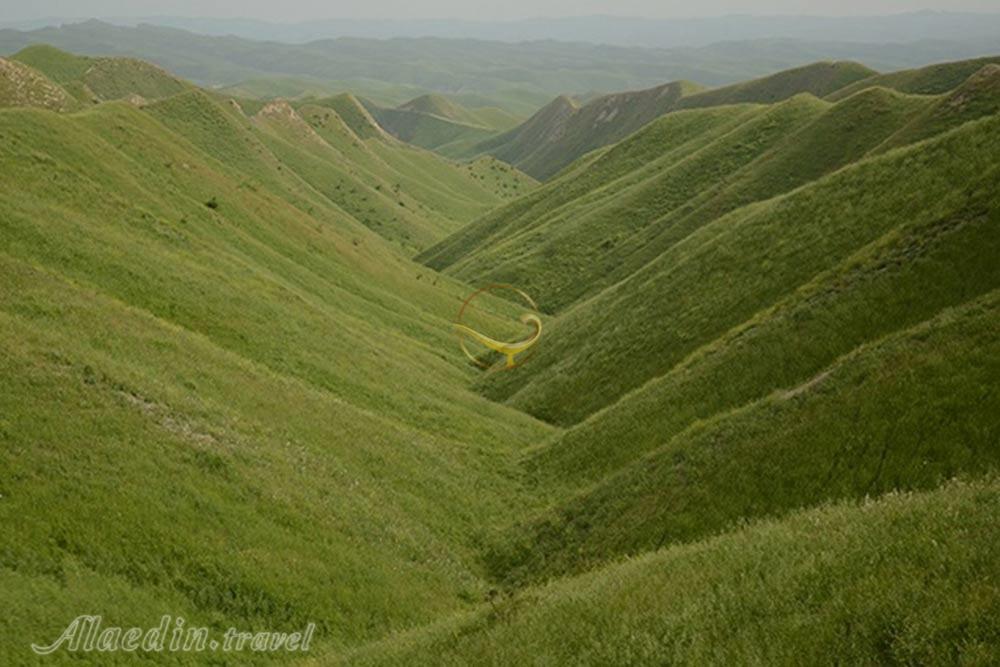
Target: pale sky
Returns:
[297, 10]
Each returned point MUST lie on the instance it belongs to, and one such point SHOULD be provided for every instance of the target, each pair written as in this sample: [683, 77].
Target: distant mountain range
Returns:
[517, 77]
[616, 30]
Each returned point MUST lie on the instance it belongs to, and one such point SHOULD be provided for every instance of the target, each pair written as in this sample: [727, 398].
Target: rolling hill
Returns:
[640, 197]
[94, 80]
[194, 286]
[408, 195]
[588, 341]
[931, 80]
[438, 124]
[760, 426]
[23, 86]
[562, 132]
[857, 428]
[777, 592]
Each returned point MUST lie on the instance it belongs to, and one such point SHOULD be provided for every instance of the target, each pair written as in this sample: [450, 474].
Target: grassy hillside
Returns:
[635, 208]
[976, 97]
[848, 581]
[102, 79]
[908, 411]
[438, 123]
[406, 195]
[562, 131]
[906, 276]
[819, 79]
[931, 80]
[188, 284]
[430, 131]
[644, 325]
[24, 86]
[231, 394]
[444, 107]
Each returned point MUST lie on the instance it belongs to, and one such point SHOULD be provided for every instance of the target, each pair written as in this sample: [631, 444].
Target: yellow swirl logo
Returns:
[510, 350]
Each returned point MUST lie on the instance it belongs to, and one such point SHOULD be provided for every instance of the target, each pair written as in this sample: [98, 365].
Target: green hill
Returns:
[598, 339]
[819, 79]
[910, 274]
[563, 131]
[931, 80]
[976, 97]
[429, 131]
[354, 115]
[102, 79]
[846, 581]
[23, 86]
[231, 393]
[440, 124]
[857, 428]
[443, 107]
[596, 234]
[223, 331]
[560, 133]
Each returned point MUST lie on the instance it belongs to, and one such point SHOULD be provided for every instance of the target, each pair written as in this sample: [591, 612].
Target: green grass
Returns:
[819, 79]
[907, 579]
[102, 79]
[433, 132]
[58, 65]
[444, 107]
[641, 327]
[638, 208]
[976, 97]
[227, 370]
[931, 80]
[894, 283]
[562, 131]
[230, 393]
[904, 412]
[24, 86]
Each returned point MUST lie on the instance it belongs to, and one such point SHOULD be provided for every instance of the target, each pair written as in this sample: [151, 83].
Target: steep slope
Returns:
[569, 251]
[354, 114]
[561, 132]
[848, 580]
[642, 326]
[444, 107]
[266, 425]
[24, 86]
[428, 130]
[664, 141]
[408, 196]
[905, 277]
[908, 411]
[456, 191]
[545, 126]
[101, 79]
[440, 124]
[931, 80]
[978, 96]
[819, 79]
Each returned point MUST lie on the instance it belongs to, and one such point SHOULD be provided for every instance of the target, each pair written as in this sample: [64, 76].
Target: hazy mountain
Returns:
[453, 66]
[617, 30]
